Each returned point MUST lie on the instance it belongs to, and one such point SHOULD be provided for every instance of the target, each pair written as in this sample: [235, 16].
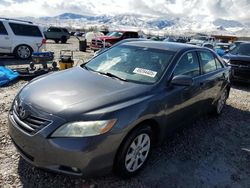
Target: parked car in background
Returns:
[20, 38]
[57, 34]
[222, 48]
[107, 114]
[79, 34]
[170, 39]
[72, 33]
[89, 36]
[200, 40]
[239, 60]
[111, 38]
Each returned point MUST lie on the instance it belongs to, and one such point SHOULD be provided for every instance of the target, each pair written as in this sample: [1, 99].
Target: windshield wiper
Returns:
[112, 75]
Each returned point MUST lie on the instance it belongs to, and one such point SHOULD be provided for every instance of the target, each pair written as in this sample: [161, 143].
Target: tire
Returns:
[221, 102]
[23, 52]
[131, 156]
[57, 41]
[63, 40]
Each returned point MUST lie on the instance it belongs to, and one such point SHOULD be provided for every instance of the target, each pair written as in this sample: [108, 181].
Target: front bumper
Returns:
[75, 156]
[241, 74]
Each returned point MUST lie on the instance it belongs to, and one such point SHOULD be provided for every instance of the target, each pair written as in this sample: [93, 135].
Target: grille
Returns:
[30, 124]
[244, 63]
[242, 74]
[97, 42]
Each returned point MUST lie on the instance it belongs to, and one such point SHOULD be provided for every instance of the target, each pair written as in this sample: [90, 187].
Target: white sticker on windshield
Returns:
[145, 72]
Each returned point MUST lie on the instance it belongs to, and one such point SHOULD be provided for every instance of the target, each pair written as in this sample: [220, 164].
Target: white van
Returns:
[20, 38]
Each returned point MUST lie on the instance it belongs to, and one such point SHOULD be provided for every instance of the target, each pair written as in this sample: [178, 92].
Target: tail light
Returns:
[44, 41]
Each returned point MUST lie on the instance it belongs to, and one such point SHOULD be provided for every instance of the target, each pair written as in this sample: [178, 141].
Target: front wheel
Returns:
[221, 102]
[134, 152]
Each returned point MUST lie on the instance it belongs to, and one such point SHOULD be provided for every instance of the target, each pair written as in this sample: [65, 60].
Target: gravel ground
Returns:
[213, 152]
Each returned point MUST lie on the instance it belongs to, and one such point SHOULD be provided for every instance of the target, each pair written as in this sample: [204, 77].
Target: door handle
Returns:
[7, 38]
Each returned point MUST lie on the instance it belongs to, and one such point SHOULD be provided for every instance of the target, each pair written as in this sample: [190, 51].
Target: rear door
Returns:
[53, 33]
[5, 39]
[212, 77]
[27, 34]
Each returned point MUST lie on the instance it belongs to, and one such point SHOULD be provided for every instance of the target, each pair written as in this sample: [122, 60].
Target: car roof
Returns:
[170, 46]
[58, 27]
[17, 21]
[244, 43]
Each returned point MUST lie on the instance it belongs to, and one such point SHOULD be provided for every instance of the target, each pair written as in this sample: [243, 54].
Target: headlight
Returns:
[107, 44]
[227, 61]
[84, 128]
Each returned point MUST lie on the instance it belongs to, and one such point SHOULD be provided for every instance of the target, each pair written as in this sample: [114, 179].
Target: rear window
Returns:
[208, 61]
[25, 30]
[65, 30]
[2, 29]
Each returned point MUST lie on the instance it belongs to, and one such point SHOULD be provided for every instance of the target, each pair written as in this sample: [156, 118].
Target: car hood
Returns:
[237, 57]
[78, 90]
[105, 38]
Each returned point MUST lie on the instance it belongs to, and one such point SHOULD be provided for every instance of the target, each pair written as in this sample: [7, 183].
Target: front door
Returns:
[5, 41]
[183, 102]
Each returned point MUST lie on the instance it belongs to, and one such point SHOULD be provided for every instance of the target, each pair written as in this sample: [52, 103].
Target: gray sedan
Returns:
[106, 115]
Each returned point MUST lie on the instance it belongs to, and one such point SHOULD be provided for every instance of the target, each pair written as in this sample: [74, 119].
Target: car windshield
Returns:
[115, 34]
[242, 49]
[132, 63]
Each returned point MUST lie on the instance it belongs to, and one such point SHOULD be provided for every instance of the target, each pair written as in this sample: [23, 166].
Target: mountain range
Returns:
[137, 22]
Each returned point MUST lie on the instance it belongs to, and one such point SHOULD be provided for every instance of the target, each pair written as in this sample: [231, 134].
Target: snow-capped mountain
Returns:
[138, 22]
[227, 23]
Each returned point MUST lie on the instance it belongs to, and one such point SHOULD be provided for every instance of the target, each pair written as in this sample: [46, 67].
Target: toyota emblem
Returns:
[22, 113]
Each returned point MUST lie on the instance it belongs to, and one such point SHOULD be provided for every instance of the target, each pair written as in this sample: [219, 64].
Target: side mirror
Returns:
[182, 80]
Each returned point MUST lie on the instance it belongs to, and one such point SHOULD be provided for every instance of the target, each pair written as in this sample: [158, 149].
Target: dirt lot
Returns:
[213, 152]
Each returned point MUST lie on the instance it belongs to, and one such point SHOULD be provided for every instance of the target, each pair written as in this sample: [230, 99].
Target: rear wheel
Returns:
[23, 52]
[63, 39]
[134, 152]
[57, 41]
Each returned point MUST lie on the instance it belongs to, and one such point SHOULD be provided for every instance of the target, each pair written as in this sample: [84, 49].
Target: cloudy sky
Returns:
[227, 9]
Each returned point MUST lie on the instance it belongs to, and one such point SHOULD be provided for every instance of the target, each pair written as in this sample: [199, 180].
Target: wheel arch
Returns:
[22, 44]
[154, 126]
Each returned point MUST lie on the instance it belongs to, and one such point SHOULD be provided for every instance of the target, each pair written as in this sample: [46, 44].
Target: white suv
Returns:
[20, 38]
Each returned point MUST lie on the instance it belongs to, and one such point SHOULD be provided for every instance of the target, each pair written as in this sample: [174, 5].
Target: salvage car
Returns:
[20, 38]
[107, 114]
[111, 38]
[57, 34]
[239, 60]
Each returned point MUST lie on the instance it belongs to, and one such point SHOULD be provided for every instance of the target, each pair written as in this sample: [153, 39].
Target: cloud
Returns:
[5, 3]
[21, 1]
[226, 9]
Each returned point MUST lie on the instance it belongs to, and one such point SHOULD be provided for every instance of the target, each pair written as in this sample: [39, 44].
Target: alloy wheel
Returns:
[222, 101]
[137, 152]
[23, 52]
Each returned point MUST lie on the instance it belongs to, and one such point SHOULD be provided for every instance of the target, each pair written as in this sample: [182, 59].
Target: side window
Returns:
[134, 35]
[25, 30]
[57, 30]
[65, 30]
[207, 61]
[2, 29]
[218, 64]
[126, 35]
[188, 65]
